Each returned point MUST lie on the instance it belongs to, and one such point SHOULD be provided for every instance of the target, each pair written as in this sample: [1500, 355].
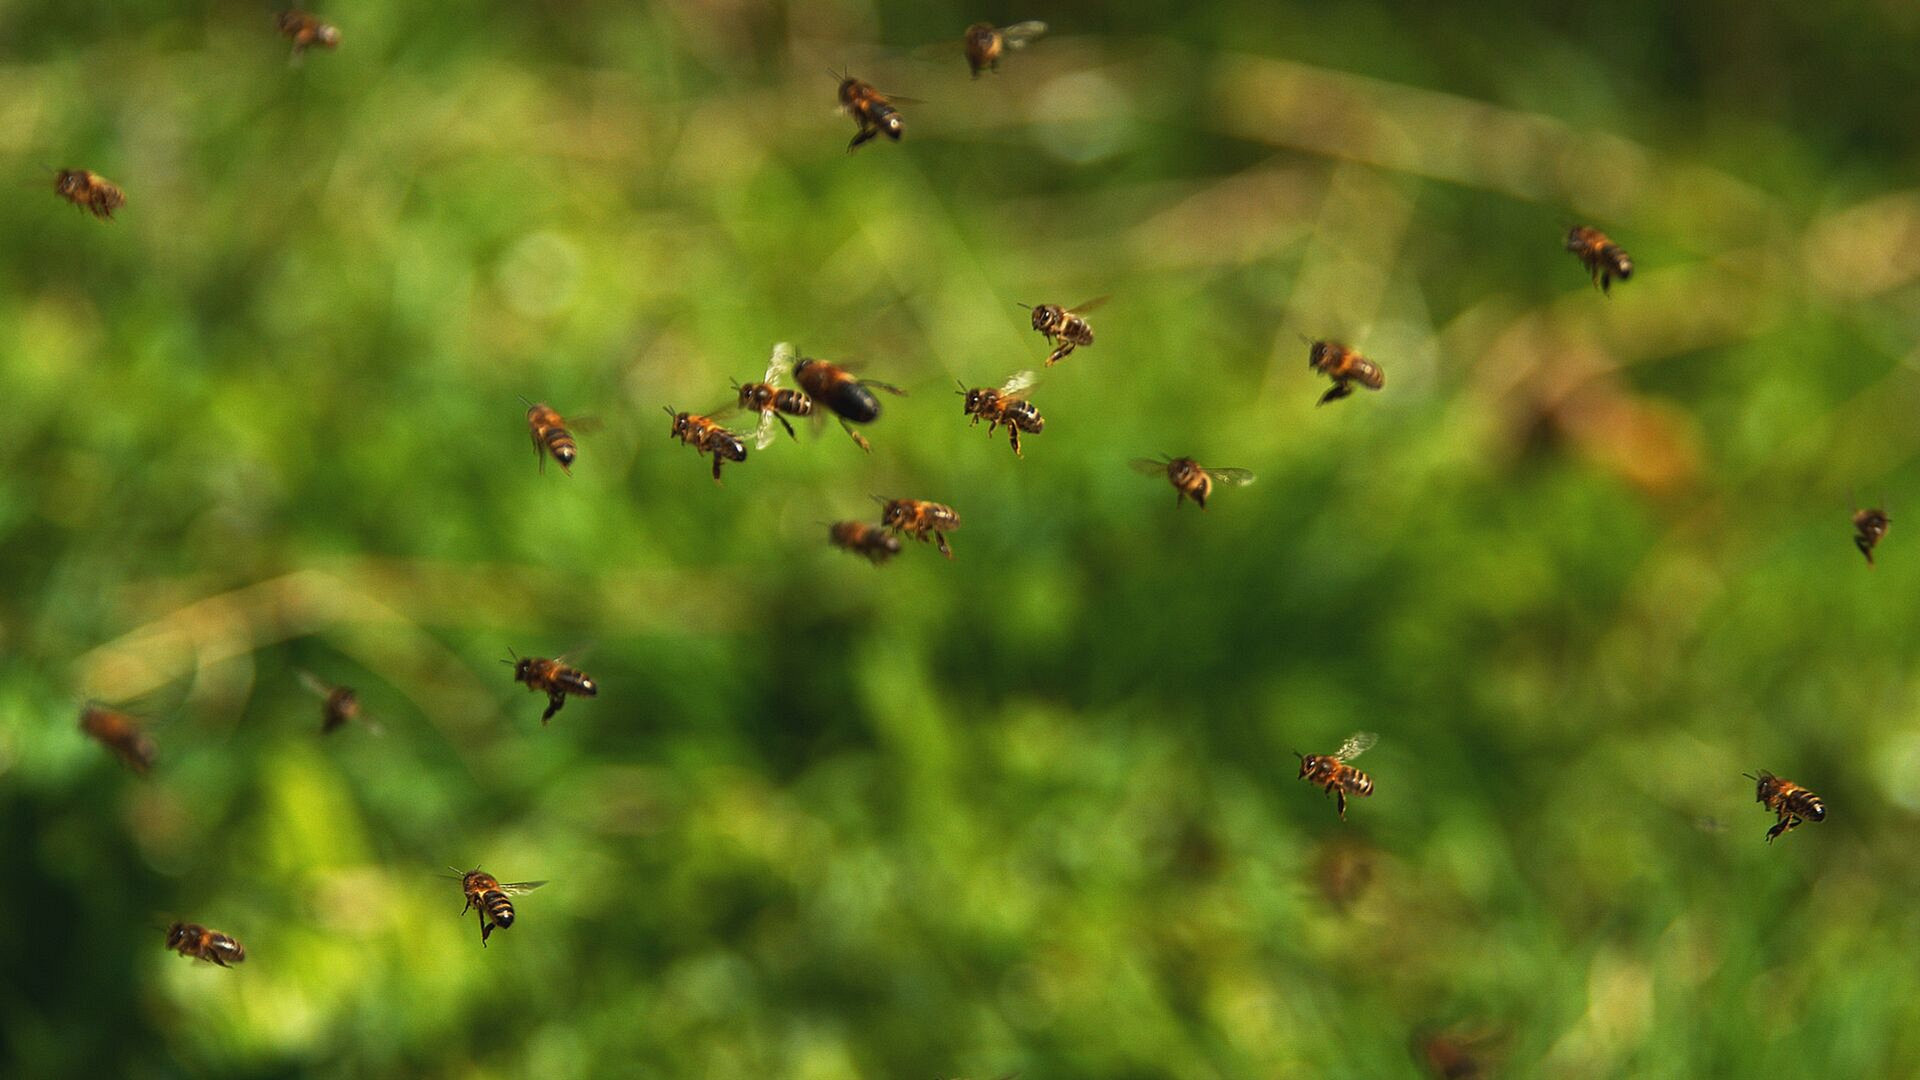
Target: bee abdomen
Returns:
[499, 909]
[574, 682]
[1807, 805]
[1618, 261]
[793, 403]
[855, 403]
[1024, 414]
[1360, 783]
[731, 447]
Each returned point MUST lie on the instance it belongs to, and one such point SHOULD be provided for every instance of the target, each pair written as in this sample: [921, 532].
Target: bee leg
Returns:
[1784, 825]
[1340, 389]
[538, 456]
[941, 540]
[859, 439]
[1059, 353]
[716, 468]
[554, 702]
[1606, 284]
[1013, 436]
[1865, 548]
[1342, 796]
[789, 427]
[484, 928]
[866, 133]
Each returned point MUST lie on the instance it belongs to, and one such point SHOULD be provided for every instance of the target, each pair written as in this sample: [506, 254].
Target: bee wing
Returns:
[1020, 383]
[1082, 309]
[312, 682]
[1356, 744]
[1021, 34]
[515, 888]
[763, 435]
[1148, 466]
[1233, 478]
[783, 358]
[583, 425]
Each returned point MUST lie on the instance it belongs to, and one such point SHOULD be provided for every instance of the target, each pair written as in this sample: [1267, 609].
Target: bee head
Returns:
[1308, 762]
[1042, 317]
[975, 398]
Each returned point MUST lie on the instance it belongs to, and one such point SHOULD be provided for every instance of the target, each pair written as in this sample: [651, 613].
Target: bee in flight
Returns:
[985, 43]
[192, 939]
[1008, 405]
[1458, 1053]
[1792, 803]
[1345, 367]
[338, 704]
[552, 437]
[1602, 257]
[872, 541]
[769, 399]
[89, 191]
[705, 435]
[1067, 328]
[919, 518]
[552, 677]
[488, 896]
[1869, 528]
[850, 398]
[121, 734]
[1331, 771]
[1189, 479]
[871, 110]
[306, 31]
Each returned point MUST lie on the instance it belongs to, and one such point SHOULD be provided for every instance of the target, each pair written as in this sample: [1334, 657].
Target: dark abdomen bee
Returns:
[1331, 771]
[1008, 405]
[920, 519]
[1345, 367]
[1789, 801]
[1067, 328]
[553, 678]
[872, 541]
[488, 896]
[872, 112]
[705, 435]
[769, 399]
[851, 399]
[1602, 257]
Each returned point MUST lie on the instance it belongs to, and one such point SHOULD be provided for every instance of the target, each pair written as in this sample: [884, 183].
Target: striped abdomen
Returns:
[1804, 804]
[1023, 415]
[793, 403]
[1076, 330]
[1355, 782]
[498, 909]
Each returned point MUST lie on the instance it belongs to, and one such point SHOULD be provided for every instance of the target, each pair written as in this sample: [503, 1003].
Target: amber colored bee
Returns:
[985, 43]
[1602, 257]
[919, 518]
[1869, 528]
[850, 398]
[1008, 405]
[121, 734]
[554, 678]
[871, 110]
[872, 541]
[1345, 367]
[488, 896]
[89, 191]
[1067, 328]
[1458, 1054]
[768, 399]
[307, 31]
[338, 704]
[1343, 870]
[1791, 802]
[192, 939]
[552, 437]
[1331, 771]
[705, 434]
[1189, 479]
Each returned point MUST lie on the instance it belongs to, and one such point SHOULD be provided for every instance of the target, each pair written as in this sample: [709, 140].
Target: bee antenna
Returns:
[524, 401]
[669, 411]
[1017, 303]
[515, 655]
[963, 388]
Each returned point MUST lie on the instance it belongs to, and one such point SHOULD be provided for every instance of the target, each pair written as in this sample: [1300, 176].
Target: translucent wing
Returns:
[1148, 466]
[784, 355]
[763, 435]
[1233, 478]
[312, 682]
[1020, 383]
[583, 425]
[1020, 34]
[1082, 309]
[1356, 744]
[515, 888]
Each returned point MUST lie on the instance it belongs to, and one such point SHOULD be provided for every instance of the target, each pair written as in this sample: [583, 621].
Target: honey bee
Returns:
[1345, 367]
[552, 677]
[339, 704]
[705, 434]
[1189, 479]
[1331, 771]
[1007, 405]
[871, 110]
[919, 518]
[872, 541]
[89, 191]
[307, 31]
[1458, 1053]
[552, 437]
[1602, 257]
[1791, 802]
[121, 734]
[985, 43]
[488, 896]
[850, 398]
[1067, 328]
[769, 399]
[192, 939]
[1869, 528]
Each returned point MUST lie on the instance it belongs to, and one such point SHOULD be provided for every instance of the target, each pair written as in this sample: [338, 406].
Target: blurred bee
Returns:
[1189, 480]
[552, 437]
[872, 541]
[338, 704]
[851, 399]
[1066, 327]
[871, 110]
[1345, 367]
[1457, 1054]
[1007, 405]
[1869, 528]
[1343, 870]
[192, 939]
[769, 399]
[121, 734]
[985, 43]
[705, 434]
[1602, 257]
[89, 191]
[1791, 802]
[1331, 771]
[552, 677]
[307, 31]
[918, 518]
[488, 896]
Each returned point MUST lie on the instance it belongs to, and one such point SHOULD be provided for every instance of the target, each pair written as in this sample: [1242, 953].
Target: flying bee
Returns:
[850, 398]
[769, 399]
[192, 939]
[1067, 328]
[1602, 257]
[89, 191]
[1345, 367]
[121, 734]
[705, 435]
[985, 43]
[872, 541]
[1007, 405]
[307, 31]
[488, 896]
[1869, 528]
[338, 704]
[919, 518]
[1189, 479]
[552, 677]
[1792, 803]
[552, 437]
[1331, 771]
[871, 110]
[1458, 1053]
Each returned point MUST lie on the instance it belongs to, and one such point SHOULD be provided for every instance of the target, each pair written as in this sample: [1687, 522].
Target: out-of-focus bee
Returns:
[89, 191]
[1345, 367]
[192, 939]
[1869, 528]
[872, 541]
[705, 434]
[306, 31]
[121, 734]
[1067, 328]
[1792, 803]
[1343, 870]
[552, 437]
[919, 518]
[985, 43]
[338, 704]
[1331, 771]
[1007, 405]
[488, 896]
[1602, 257]
[769, 399]
[850, 398]
[553, 678]
[1457, 1053]
[1189, 479]
[871, 110]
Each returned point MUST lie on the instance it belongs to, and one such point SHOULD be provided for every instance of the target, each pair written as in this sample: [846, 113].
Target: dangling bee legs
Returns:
[866, 133]
[1342, 797]
[789, 427]
[716, 466]
[859, 439]
[941, 540]
[555, 700]
[1340, 389]
[1786, 824]
[1059, 353]
[1013, 436]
